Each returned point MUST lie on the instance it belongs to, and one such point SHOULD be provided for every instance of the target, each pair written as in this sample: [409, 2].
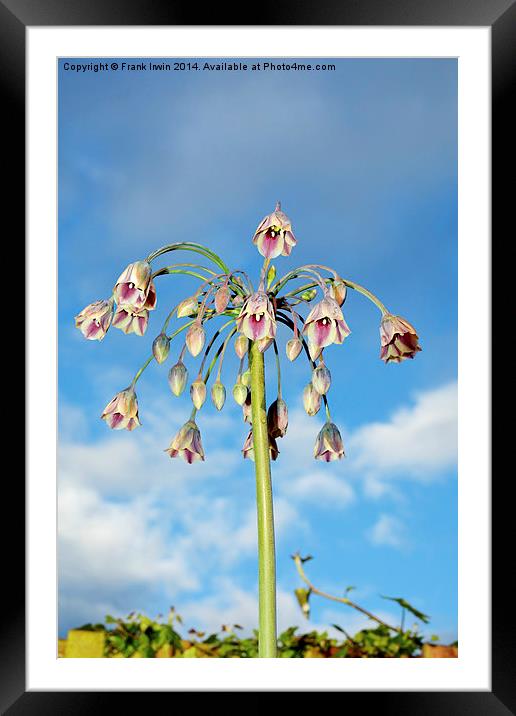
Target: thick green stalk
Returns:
[267, 641]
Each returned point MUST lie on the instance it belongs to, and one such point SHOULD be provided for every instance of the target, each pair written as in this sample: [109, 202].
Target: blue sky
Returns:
[364, 162]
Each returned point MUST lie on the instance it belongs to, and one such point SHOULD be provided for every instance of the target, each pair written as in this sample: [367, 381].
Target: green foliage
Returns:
[139, 636]
[405, 605]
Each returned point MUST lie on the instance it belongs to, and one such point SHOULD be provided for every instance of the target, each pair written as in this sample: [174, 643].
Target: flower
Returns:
[256, 319]
[198, 392]
[134, 285]
[248, 448]
[94, 320]
[195, 338]
[122, 411]
[161, 348]
[239, 393]
[399, 339]
[293, 348]
[187, 443]
[218, 394]
[277, 419]
[325, 325]
[177, 377]
[311, 400]
[328, 445]
[274, 235]
[321, 379]
[241, 345]
[130, 322]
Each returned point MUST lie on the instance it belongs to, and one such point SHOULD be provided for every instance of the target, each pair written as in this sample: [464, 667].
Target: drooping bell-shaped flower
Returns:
[399, 339]
[130, 322]
[248, 449]
[188, 307]
[134, 285]
[94, 320]
[161, 348]
[325, 325]
[222, 298]
[241, 345]
[198, 392]
[277, 419]
[321, 379]
[256, 319]
[328, 445]
[122, 412]
[218, 394]
[177, 377]
[239, 393]
[187, 443]
[311, 400]
[293, 348]
[274, 236]
[195, 338]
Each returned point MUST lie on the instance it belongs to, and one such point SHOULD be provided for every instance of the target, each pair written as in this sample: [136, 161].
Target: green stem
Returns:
[267, 642]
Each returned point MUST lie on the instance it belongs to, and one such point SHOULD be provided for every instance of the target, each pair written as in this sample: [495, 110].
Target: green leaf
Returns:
[403, 603]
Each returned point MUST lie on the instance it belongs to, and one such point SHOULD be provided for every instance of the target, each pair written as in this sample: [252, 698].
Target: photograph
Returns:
[257, 296]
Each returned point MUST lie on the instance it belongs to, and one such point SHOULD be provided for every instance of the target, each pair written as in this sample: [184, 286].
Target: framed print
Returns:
[317, 187]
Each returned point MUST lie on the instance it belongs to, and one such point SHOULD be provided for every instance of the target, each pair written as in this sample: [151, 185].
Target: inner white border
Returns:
[471, 671]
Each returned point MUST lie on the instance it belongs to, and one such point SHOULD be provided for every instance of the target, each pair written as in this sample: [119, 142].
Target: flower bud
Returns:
[187, 443]
[271, 275]
[239, 393]
[161, 348]
[122, 411]
[198, 393]
[94, 320]
[241, 345]
[246, 377]
[293, 348]
[218, 395]
[321, 379]
[264, 343]
[277, 419]
[309, 294]
[195, 338]
[311, 400]
[222, 298]
[177, 377]
[339, 291]
[188, 307]
[328, 445]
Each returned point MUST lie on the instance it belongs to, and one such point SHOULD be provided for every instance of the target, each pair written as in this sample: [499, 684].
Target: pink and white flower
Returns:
[257, 320]
[274, 236]
[122, 412]
[95, 320]
[399, 339]
[187, 443]
[325, 325]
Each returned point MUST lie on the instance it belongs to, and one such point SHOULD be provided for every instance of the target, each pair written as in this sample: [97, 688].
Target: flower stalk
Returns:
[266, 549]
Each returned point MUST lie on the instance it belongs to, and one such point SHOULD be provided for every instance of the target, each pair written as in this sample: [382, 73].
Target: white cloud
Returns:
[388, 531]
[418, 442]
[319, 488]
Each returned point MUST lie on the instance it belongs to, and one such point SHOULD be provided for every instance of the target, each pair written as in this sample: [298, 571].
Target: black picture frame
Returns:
[500, 16]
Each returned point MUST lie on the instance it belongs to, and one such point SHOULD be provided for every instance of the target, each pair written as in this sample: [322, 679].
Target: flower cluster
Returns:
[252, 316]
